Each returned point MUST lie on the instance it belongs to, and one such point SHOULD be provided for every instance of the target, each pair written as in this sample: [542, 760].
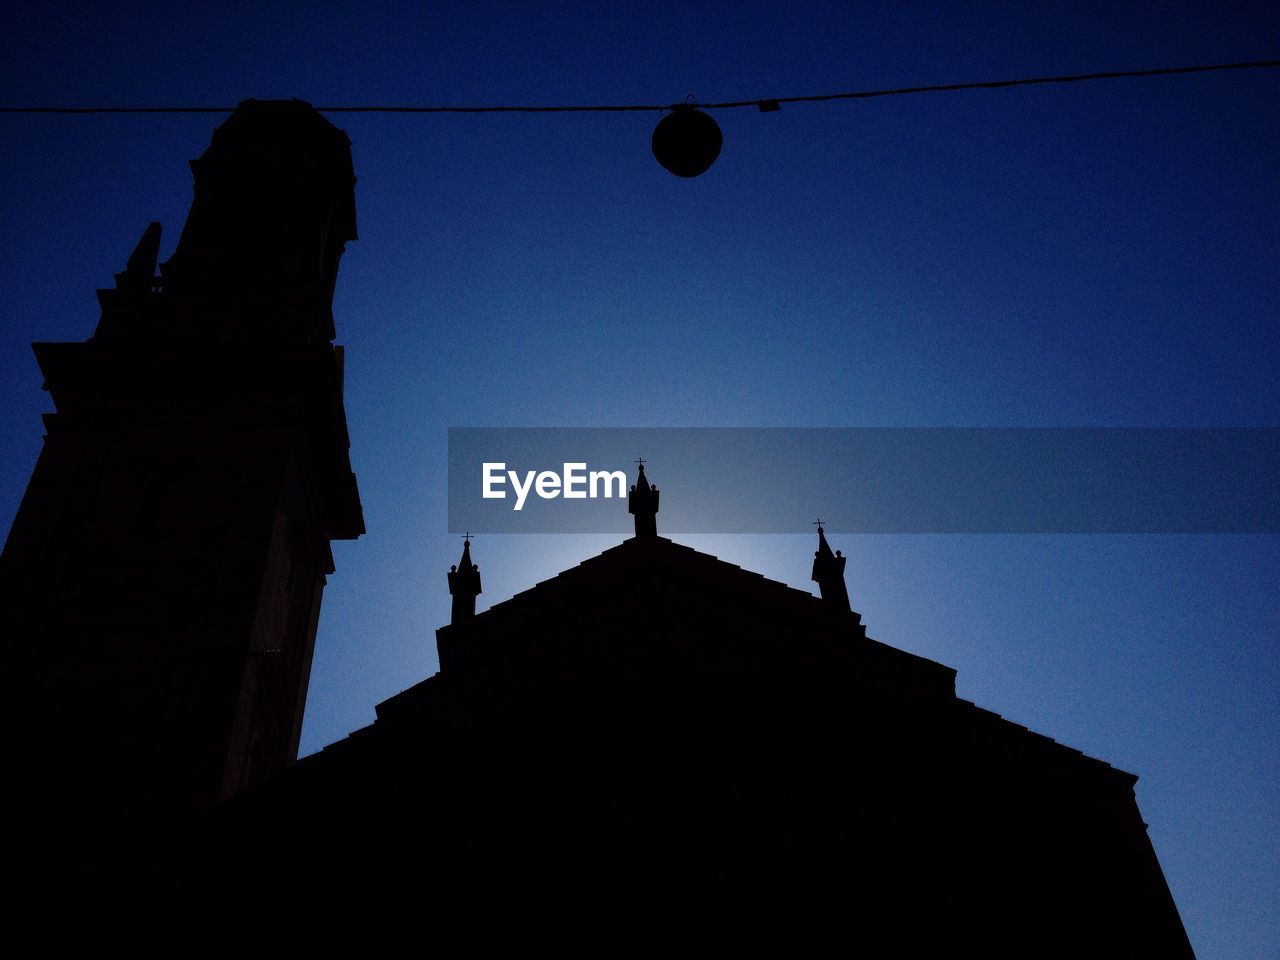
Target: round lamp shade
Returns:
[686, 141]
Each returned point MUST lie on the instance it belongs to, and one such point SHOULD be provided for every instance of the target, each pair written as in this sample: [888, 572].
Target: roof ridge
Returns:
[655, 545]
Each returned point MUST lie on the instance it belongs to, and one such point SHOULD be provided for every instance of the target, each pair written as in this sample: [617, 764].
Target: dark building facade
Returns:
[655, 753]
[161, 584]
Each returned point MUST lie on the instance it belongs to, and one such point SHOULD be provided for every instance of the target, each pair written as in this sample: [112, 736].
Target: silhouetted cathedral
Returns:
[655, 753]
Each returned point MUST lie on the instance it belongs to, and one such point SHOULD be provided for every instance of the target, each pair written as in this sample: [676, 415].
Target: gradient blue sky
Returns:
[1088, 255]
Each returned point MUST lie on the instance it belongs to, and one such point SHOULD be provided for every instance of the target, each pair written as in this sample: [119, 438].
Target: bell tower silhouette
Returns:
[161, 584]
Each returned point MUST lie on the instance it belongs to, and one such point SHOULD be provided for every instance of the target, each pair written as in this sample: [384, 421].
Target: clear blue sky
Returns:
[1086, 255]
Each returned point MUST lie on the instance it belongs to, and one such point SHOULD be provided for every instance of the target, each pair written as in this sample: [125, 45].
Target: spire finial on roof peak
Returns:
[464, 584]
[828, 571]
[642, 503]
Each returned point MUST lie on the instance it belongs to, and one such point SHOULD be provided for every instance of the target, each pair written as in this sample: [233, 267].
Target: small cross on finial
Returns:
[640, 460]
[818, 523]
[467, 536]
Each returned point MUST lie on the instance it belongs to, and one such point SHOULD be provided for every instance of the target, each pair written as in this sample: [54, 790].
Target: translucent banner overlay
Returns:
[869, 480]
